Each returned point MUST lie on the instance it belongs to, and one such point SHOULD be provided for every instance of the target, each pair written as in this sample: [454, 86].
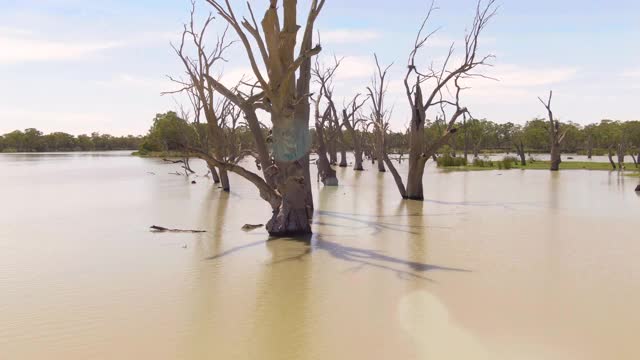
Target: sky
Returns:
[82, 66]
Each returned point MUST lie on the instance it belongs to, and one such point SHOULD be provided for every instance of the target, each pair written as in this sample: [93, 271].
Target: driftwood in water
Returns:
[155, 228]
[249, 227]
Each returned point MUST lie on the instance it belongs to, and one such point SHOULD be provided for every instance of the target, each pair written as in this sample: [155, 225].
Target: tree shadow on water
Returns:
[373, 222]
[361, 258]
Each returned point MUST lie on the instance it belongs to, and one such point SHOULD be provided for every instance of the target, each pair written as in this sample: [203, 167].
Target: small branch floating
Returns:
[155, 228]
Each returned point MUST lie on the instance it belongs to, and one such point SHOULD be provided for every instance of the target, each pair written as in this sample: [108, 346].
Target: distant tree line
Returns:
[33, 140]
[170, 132]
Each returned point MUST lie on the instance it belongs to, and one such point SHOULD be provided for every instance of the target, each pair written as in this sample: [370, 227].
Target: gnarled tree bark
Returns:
[285, 98]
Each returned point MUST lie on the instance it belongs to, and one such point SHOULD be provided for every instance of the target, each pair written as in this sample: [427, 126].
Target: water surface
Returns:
[493, 265]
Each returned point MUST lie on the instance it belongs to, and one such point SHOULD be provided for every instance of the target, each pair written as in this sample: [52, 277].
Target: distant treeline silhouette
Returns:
[33, 140]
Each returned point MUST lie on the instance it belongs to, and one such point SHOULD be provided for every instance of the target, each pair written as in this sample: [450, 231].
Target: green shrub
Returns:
[509, 161]
[477, 162]
[447, 160]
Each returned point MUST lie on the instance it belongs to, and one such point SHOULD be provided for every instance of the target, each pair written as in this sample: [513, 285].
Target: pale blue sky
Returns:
[82, 66]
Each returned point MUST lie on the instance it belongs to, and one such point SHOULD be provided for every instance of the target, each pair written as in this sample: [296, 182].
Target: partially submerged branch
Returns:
[155, 228]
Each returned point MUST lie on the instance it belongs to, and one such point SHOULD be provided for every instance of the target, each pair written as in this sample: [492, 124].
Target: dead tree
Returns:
[198, 68]
[326, 173]
[325, 121]
[202, 130]
[283, 92]
[342, 145]
[441, 79]
[354, 124]
[379, 115]
[556, 136]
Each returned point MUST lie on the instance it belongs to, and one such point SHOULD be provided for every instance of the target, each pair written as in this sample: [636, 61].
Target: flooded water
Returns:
[493, 265]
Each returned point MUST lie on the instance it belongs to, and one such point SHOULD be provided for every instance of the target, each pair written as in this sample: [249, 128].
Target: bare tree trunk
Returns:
[417, 157]
[333, 153]
[466, 138]
[589, 147]
[343, 156]
[555, 137]
[357, 164]
[613, 164]
[224, 180]
[454, 146]
[214, 173]
[293, 217]
[396, 177]
[555, 156]
[622, 149]
[325, 172]
[414, 178]
[357, 145]
[380, 151]
[520, 150]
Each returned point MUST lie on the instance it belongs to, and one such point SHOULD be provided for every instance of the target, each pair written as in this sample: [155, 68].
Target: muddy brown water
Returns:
[493, 265]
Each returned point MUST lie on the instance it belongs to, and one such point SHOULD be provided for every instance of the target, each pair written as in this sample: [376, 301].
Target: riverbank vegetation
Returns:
[33, 140]
[508, 162]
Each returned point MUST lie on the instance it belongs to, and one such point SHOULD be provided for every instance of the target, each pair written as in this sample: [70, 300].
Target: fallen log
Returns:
[155, 228]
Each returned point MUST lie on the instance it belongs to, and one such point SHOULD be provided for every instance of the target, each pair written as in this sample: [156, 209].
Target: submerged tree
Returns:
[198, 68]
[379, 114]
[355, 124]
[441, 79]
[325, 132]
[556, 135]
[285, 183]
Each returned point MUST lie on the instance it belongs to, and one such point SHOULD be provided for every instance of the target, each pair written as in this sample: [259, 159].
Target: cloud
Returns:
[349, 36]
[511, 76]
[631, 73]
[355, 67]
[131, 81]
[19, 46]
